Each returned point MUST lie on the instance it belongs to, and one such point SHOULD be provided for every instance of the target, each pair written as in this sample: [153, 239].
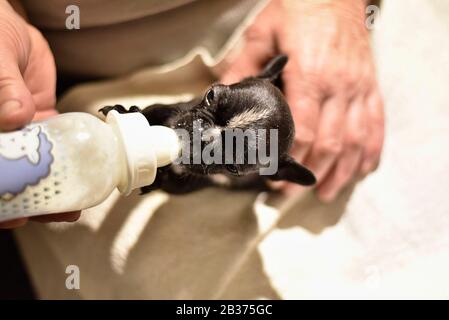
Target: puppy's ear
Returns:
[274, 68]
[292, 171]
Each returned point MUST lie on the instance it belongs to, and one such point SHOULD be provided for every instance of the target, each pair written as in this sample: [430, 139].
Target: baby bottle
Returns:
[75, 160]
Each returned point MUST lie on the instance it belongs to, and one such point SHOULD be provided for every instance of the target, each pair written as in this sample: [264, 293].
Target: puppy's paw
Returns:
[119, 108]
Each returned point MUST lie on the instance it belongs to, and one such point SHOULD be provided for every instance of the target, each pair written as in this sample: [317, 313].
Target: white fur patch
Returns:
[248, 117]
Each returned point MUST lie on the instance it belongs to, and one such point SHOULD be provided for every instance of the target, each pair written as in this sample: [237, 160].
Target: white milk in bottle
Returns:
[75, 160]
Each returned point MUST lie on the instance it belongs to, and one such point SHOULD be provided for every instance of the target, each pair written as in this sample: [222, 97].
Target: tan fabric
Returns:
[51, 14]
[388, 238]
[117, 37]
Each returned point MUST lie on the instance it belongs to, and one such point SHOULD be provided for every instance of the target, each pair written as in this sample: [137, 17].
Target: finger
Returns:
[40, 76]
[60, 217]
[13, 223]
[349, 161]
[257, 49]
[292, 189]
[305, 101]
[375, 137]
[277, 185]
[16, 103]
[329, 141]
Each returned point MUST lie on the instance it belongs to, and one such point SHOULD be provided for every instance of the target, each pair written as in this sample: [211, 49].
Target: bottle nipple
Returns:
[166, 145]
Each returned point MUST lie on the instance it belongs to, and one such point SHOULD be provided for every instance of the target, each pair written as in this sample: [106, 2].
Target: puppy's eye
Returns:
[210, 95]
[232, 169]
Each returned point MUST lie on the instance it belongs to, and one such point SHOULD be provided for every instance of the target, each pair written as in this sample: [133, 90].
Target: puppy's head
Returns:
[250, 120]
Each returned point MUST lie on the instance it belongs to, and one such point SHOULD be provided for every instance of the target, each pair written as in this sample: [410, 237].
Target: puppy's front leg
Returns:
[119, 108]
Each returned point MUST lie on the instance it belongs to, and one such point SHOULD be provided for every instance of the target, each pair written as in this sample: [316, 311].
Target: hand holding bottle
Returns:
[27, 84]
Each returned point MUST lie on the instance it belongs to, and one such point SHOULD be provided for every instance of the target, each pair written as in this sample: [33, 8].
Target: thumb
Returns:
[16, 102]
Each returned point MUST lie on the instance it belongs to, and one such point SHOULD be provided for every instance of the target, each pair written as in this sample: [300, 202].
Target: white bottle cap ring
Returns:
[146, 148]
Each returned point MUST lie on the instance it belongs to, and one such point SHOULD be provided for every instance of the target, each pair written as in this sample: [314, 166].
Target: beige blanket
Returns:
[386, 238]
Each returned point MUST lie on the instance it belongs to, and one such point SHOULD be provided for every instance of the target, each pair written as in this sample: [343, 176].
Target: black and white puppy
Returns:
[254, 103]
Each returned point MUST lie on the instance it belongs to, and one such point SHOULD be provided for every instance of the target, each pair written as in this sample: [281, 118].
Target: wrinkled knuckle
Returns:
[304, 140]
[350, 80]
[7, 81]
[355, 140]
[330, 146]
[15, 34]
[315, 76]
[345, 176]
[340, 75]
[304, 136]
[255, 33]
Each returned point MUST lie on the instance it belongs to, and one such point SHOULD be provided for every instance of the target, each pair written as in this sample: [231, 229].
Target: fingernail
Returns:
[9, 107]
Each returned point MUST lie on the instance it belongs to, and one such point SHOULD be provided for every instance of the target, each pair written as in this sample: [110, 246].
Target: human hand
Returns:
[27, 84]
[329, 82]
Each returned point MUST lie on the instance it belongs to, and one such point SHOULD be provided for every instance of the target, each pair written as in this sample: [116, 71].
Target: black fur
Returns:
[219, 105]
